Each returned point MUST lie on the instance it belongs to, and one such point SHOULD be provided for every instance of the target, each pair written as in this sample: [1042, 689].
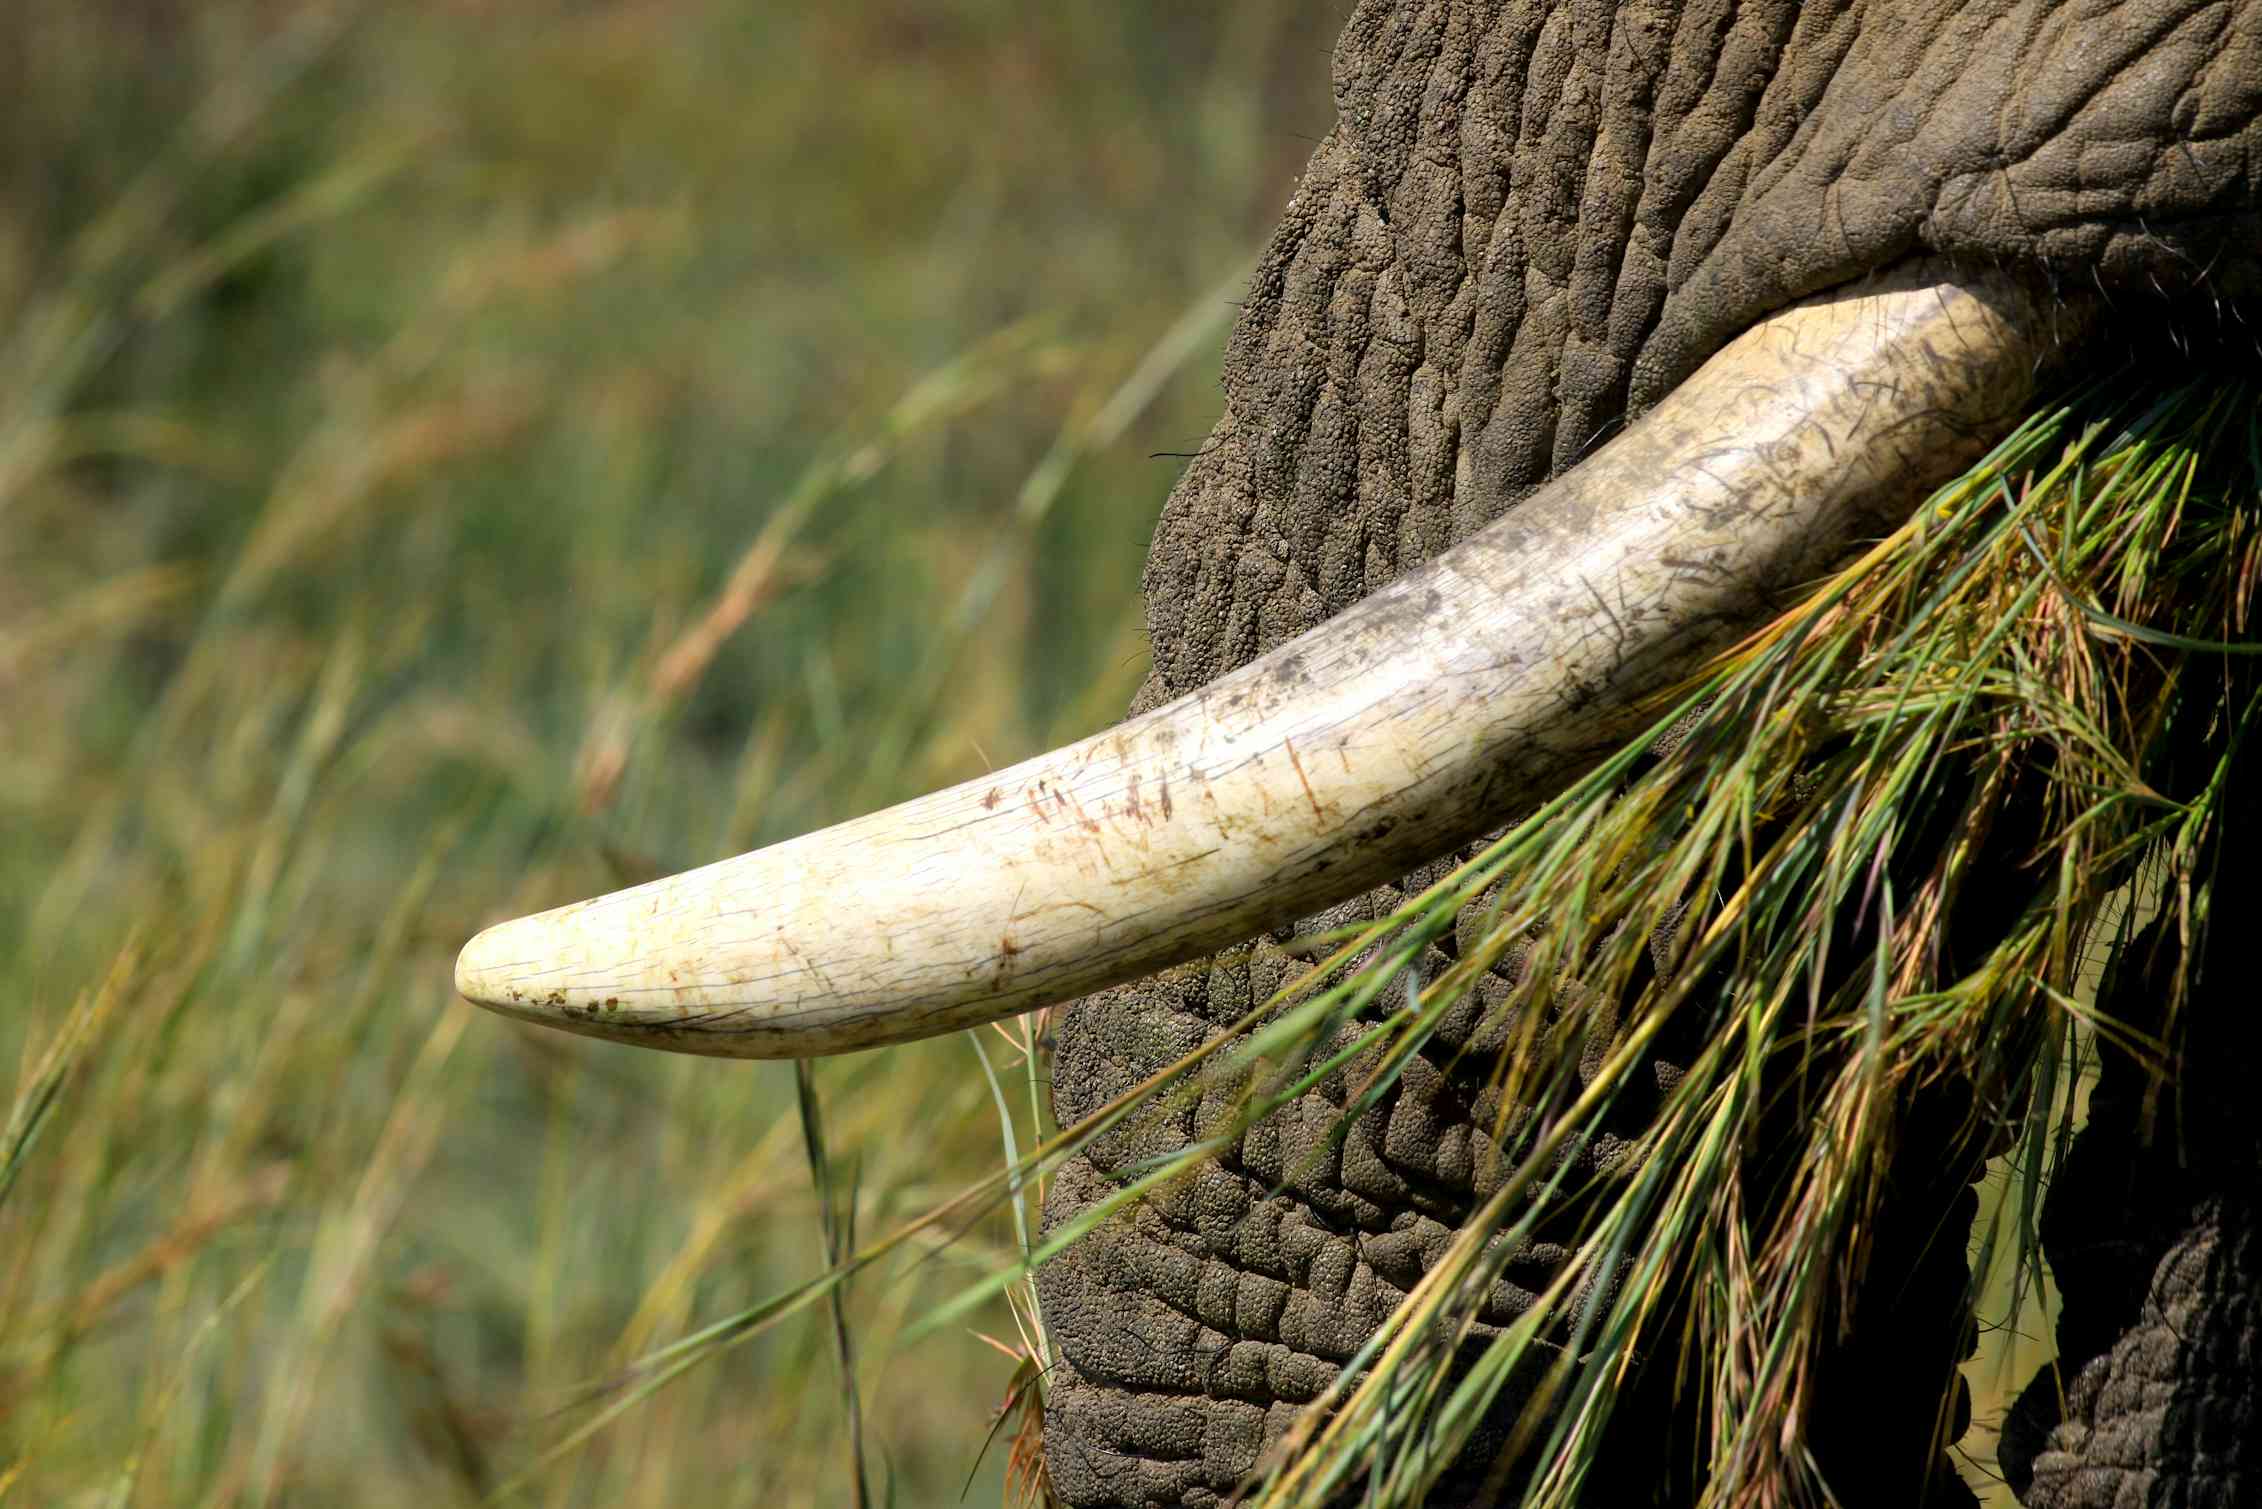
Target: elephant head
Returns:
[1591, 332]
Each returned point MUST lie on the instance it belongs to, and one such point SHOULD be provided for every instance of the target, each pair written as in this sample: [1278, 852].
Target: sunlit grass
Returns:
[457, 459]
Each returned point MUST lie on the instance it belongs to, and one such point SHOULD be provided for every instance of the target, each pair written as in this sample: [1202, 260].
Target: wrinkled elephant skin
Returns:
[1530, 222]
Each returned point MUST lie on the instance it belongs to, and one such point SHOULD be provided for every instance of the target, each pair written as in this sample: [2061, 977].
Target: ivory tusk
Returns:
[1423, 716]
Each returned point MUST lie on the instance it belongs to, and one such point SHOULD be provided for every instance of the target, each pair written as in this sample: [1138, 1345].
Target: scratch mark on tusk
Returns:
[1317, 811]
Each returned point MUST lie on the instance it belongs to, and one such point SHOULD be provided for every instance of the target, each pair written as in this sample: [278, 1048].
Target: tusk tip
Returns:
[485, 974]
[520, 968]
[556, 969]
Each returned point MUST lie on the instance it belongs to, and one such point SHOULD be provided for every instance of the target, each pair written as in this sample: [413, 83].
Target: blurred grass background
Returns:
[459, 456]
[456, 457]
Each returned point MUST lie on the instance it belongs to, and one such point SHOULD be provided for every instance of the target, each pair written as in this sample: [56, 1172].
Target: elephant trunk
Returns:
[1432, 711]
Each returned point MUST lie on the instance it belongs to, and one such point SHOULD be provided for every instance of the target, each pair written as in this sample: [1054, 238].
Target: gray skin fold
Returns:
[1466, 691]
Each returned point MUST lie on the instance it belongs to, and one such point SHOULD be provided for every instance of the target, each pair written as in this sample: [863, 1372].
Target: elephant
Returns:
[1532, 227]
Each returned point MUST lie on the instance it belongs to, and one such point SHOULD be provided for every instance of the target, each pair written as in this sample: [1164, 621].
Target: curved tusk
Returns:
[1416, 720]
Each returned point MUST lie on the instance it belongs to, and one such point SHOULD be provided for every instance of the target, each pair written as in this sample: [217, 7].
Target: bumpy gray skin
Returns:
[1530, 221]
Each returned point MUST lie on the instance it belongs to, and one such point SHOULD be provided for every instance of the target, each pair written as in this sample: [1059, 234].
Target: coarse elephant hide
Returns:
[1530, 222]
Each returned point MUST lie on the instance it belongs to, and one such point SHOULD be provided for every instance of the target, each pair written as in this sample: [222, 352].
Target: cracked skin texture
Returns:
[1529, 222]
